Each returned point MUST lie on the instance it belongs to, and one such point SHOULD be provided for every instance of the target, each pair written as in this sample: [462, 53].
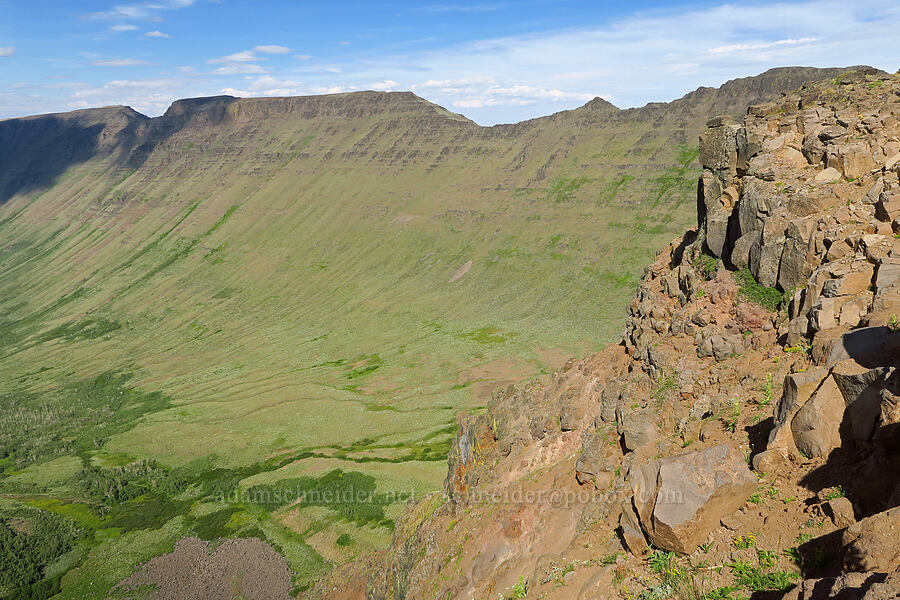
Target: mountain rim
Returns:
[742, 439]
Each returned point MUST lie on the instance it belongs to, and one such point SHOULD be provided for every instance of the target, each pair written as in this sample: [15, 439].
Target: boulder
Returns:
[888, 275]
[892, 162]
[816, 426]
[636, 428]
[829, 175]
[740, 253]
[875, 247]
[888, 209]
[791, 157]
[713, 341]
[861, 389]
[871, 544]
[766, 251]
[798, 388]
[849, 586]
[853, 311]
[718, 145]
[853, 159]
[680, 499]
[630, 529]
[840, 511]
[857, 279]
[868, 346]
[593, 466]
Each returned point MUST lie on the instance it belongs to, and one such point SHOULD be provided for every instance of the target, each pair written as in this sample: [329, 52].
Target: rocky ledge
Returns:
[743, 438]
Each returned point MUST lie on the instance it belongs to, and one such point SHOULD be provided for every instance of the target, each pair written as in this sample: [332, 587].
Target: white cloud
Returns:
[272, 49]
[387, 85]
[122, 62]
[156, 34]
[645, 56]
[239, 69]
[7, 51]
[248, 56]
[446, 8]
[759, 46]
[149, 96]
[140, 10]
[237, 57]
[123, 27]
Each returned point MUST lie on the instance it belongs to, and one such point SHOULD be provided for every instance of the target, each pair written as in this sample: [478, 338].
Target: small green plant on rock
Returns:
[707, 265]
[835, 492]
[759, 578]
[767, 297]
[519, 590]
[768, 392]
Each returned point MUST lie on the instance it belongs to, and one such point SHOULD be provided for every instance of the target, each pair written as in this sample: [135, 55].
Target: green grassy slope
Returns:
[260, 291]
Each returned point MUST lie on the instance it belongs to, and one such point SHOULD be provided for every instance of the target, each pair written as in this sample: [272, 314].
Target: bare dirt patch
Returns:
[461, 271]
[247, 568]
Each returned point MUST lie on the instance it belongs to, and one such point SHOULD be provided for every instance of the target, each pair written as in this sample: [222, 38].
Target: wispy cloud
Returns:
[759, 46]
[272, 49]
[476, 8]
[249, 56]
[237, 57]
[156, 34]
[140, 10]
[641, 57]
[123, 27]
[122, 62]
[239, 69]
[7, 51]
[388, 85]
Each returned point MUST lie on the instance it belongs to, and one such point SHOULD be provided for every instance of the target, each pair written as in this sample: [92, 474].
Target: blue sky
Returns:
[493, 61]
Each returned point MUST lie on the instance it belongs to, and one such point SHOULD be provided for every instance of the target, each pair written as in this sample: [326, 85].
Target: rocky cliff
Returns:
[743, 437]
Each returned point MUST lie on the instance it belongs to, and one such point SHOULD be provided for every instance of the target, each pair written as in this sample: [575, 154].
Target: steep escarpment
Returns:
[241, 297]
[742, 439]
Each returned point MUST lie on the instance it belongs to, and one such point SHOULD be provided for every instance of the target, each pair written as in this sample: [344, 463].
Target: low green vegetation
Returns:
[767, 297]
[30, 542]
[563, 189]
[75, 419]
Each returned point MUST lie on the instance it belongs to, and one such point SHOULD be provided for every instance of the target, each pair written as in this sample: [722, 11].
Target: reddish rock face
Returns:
[682, 498]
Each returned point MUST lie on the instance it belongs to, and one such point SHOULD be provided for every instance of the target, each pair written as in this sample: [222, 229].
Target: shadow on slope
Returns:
[36, 151]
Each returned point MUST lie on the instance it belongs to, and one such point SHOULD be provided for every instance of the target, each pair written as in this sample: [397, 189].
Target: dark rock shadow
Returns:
[758, 435]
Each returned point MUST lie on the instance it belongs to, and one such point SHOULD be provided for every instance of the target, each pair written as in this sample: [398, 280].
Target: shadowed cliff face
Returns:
[35, 151]
[264, 292]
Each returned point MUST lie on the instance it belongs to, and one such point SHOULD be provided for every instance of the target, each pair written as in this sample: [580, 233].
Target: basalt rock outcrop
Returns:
[766, 339]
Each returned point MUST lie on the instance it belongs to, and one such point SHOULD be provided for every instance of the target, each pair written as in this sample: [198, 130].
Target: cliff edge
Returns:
[743, 438]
